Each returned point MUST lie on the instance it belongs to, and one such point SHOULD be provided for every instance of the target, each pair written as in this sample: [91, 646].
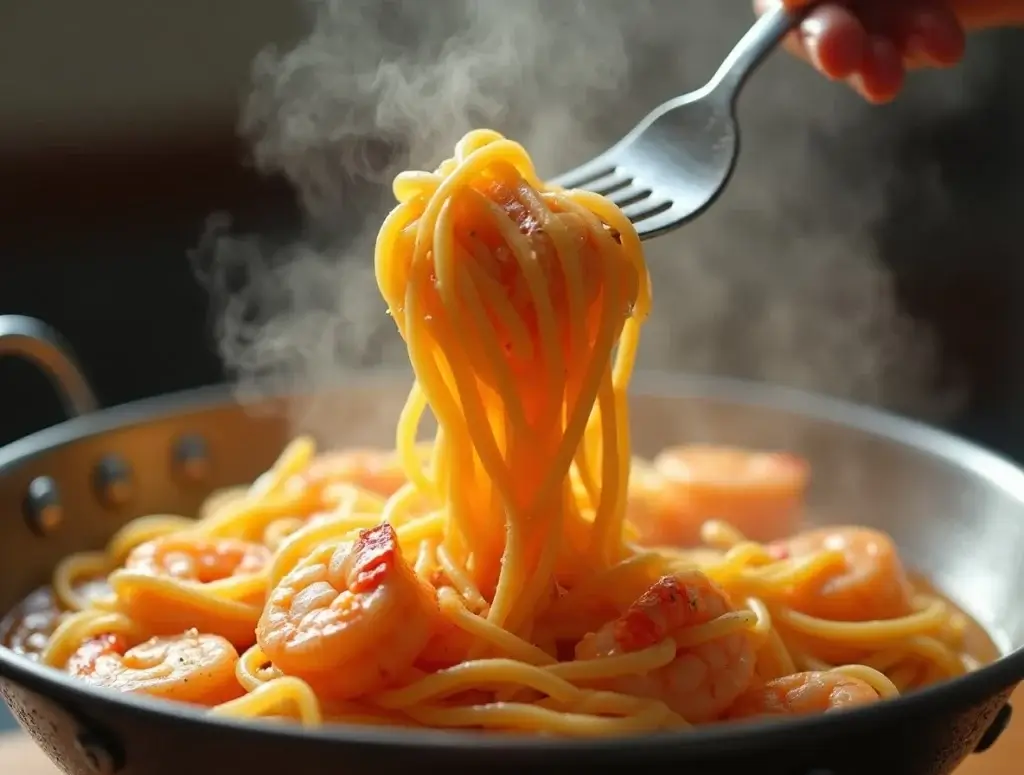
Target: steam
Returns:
[780, 281]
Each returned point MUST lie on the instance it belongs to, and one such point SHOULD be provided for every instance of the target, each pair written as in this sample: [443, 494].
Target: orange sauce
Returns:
[26, 629]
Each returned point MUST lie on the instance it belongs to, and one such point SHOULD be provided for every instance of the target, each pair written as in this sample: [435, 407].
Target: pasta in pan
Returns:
[521, 571]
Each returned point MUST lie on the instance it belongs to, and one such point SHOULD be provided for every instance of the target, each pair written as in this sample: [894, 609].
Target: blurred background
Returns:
[119, 139]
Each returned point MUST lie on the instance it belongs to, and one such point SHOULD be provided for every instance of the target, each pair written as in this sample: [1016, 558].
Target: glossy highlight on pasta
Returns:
[521, 571]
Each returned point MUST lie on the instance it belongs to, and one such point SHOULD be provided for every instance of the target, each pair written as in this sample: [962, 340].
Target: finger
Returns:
[832, 39]
[881, 74]
[793, 43]
[926, 32]
[932, 37]
[835, 41]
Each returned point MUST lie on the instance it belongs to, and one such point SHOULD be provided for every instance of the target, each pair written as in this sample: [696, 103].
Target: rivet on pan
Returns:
[192, 458]
[113, 481]
[101, 757]
[995, 729]
[43, 510]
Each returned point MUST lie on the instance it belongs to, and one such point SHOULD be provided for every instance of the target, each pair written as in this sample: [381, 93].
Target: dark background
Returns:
[118, 141]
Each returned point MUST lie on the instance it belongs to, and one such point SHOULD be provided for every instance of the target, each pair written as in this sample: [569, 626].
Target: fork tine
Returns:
[590, 171]
[660, 222]
[625, 197]
[609, 183]
[646, 208]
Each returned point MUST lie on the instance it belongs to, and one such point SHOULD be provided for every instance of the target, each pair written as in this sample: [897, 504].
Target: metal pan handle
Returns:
[35, 341]
[995, 729]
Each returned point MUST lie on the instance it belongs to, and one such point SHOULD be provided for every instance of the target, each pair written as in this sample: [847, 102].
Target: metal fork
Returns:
[675, 163]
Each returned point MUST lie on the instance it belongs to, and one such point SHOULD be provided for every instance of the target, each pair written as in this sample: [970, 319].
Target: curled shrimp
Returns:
[379, 471]
[350, 618]
[759, 493]
[818, 691]
[192, 668]
[706, 677]
[180, 581]
[869, 583]
[448, 646]
[203, 560]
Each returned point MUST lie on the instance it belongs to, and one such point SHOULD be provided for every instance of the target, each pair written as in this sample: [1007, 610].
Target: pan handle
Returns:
[995, 729]
[35, 341]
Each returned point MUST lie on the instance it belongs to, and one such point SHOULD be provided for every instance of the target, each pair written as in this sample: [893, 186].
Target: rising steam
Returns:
[780, 281]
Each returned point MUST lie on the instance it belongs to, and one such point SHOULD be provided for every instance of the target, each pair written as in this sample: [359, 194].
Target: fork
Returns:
[676, 162]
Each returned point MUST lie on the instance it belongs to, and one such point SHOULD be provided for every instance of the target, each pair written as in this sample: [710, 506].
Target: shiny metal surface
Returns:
[676, 162]
[33, 340]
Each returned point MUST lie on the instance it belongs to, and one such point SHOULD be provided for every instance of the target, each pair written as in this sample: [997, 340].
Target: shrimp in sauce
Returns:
[802, 694]
[870, 583]
[758, 493]
[378, 471]
[192, 668]
[703, 680]
[351, 618]
[164, 585]
[449, 646]
[203, 560]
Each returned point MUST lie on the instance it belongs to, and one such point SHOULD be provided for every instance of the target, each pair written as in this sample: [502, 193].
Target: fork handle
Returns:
[753, 48]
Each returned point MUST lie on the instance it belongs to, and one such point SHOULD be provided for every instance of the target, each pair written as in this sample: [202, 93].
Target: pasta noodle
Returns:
[502, 576]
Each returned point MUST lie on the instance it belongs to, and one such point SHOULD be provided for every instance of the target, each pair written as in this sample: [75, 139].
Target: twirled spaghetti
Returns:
[504, 575]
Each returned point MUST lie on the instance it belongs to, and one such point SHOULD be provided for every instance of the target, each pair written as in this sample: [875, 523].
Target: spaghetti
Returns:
[502, 576]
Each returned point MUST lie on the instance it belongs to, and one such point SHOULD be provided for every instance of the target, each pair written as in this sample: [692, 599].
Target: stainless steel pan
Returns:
[956, 511]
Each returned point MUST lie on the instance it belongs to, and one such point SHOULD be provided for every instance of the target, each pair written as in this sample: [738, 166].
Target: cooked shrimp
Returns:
[704, 679]
[180, 581]
[758, 493]
[350, 618]
[803, 693]
[449, 646]
[193, 668]
[191, 558]
[378, 471]
[870, 583]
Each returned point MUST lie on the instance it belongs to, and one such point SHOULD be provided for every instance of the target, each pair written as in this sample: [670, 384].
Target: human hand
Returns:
[871, 44]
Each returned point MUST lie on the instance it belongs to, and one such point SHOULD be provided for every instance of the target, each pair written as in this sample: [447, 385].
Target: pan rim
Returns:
[986, 682]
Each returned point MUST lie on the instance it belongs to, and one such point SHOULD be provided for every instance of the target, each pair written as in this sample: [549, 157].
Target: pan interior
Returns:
[955, 511]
